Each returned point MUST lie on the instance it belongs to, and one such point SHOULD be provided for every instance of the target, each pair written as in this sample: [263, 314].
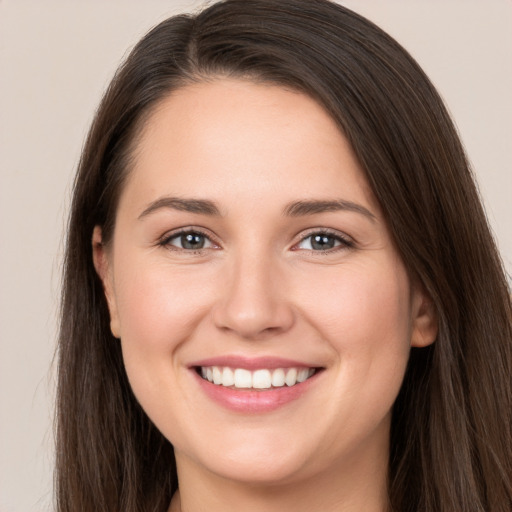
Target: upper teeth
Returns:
[258, 379]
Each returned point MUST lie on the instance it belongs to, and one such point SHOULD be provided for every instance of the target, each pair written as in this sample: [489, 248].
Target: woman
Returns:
[280, 287]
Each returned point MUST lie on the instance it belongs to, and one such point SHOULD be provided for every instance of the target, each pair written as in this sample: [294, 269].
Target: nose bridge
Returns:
[253, 303]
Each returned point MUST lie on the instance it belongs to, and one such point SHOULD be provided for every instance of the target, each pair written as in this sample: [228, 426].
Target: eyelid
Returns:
[169, 235]
[346, 241]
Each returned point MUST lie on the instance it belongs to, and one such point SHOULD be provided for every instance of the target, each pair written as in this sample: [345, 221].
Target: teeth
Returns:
[291, 377]
[259, 379]
[243, 378]
[302, 374]
[278, 378]
[228, 378]
[217, 375]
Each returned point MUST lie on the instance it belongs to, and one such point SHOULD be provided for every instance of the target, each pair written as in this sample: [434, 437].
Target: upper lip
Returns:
[252, 363]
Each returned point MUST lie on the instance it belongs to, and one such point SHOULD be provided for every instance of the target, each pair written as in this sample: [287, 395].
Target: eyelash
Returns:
[165, 241]
[343, 241]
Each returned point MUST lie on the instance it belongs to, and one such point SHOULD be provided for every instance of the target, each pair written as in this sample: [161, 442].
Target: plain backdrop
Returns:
[56, 58]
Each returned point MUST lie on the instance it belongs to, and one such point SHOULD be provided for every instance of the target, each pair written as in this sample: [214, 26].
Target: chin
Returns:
[264, 471]
[254, 462]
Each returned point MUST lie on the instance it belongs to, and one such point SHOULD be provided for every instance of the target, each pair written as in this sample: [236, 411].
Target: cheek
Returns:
[363, 301]
[158, 305]
[365, 318]
[159, 308]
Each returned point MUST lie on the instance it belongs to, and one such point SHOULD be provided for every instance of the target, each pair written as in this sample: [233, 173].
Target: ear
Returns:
[424, 317]
[104, 270]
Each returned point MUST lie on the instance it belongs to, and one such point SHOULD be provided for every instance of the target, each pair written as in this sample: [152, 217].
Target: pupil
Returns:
[322, 242]
[192, 241]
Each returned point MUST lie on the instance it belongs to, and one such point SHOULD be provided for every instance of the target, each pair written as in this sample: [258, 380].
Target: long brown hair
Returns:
[450, 437]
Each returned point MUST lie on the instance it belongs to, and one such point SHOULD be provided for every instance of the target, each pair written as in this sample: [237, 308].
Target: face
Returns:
[264, 314]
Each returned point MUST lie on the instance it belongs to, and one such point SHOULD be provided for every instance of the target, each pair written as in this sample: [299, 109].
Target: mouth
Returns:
[259, 379]
[252, 385]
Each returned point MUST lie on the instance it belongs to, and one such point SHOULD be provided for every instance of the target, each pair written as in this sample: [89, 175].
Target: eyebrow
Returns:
[200, 206]
[312, 207]
[294, 209]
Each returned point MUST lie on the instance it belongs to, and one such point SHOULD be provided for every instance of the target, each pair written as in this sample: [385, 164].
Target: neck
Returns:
[357, 485]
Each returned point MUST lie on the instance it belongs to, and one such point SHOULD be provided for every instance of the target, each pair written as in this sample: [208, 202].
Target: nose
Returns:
[254, 304]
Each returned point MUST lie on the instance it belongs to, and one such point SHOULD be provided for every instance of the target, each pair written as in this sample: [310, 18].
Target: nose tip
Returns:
[253, 322]
[254, 305]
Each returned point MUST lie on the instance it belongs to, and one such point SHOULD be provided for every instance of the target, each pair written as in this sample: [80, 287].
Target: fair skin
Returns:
[286, 263]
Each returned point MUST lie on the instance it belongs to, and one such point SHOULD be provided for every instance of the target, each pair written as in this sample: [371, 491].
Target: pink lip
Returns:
[251, 363]
[249, 401]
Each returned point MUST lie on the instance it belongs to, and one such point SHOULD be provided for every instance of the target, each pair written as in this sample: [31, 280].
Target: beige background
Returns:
[56, 58]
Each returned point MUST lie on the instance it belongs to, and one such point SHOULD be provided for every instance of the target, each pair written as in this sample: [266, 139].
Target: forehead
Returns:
[260, 137]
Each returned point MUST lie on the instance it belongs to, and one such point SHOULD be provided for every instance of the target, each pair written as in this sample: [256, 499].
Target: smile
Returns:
[241, 378]
[254, 385]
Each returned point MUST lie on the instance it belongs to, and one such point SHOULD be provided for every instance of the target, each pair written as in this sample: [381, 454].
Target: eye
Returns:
[188, 241]
[323, 241]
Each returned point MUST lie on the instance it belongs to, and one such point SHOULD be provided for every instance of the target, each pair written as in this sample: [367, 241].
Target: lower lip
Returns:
[251, 401]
